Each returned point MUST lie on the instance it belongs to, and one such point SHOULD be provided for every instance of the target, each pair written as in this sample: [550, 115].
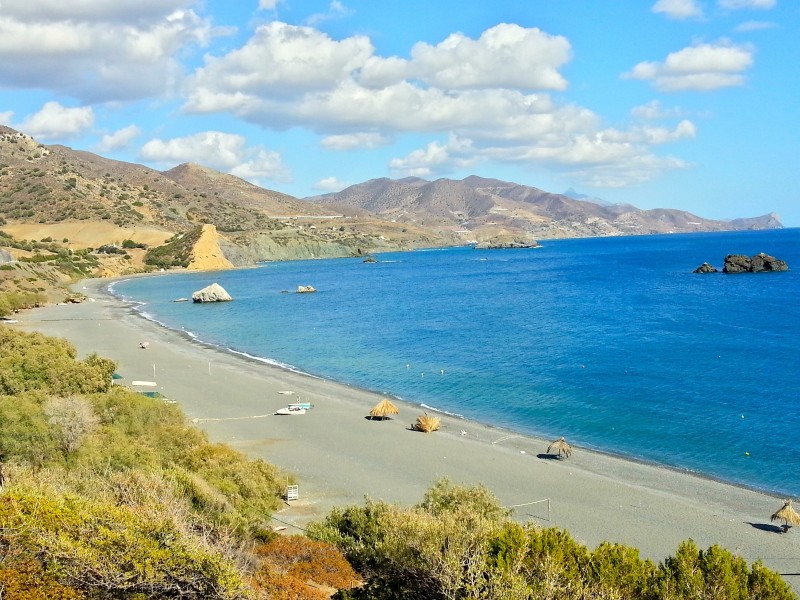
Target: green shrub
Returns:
[103, 548]
[457, 544]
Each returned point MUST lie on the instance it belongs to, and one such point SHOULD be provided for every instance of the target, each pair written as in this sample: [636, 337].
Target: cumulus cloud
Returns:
[330, 184]
[678, 9]
[5, 117]
[704, 67]
[435, 157]
[282, 60]
[742, 4]
[91, 10]
[119, 139]
[487, 96]
[55, 121]
[506, 55]
[225, 152]
[354, 141]
[97, 50]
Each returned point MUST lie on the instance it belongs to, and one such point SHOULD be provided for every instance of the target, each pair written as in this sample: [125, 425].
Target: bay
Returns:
[611, 342]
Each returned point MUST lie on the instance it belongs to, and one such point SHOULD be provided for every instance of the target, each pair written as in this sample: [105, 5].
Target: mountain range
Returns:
[478, 208]
[84, 200]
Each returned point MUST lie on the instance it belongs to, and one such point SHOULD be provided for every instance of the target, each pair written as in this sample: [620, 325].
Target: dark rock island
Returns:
[741, 263]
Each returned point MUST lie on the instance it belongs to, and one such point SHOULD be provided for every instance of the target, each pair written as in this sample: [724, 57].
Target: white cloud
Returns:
[5, 117]
[225, 152]
[678, 9]
[119, 139]
[742, 4]
[336, 10]
[704, 67]
[262, 164]
[506, 55]
[330, 184]
[55, 121]
[755, 26]
[97, 50]
[354, 141]
[268, 4]
[91, 10]
[650, 136]
[653, 111]
[283, 60]
[486, 96]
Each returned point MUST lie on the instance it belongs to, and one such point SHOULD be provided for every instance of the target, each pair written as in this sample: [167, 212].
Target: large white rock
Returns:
[213, 293]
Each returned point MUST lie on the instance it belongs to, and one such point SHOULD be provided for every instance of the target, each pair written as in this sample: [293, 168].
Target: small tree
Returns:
[73, 418]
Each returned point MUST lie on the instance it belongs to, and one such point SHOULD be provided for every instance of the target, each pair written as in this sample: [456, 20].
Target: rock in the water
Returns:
[706, 268]
[503, 245]
[739, 263]
[765, 262]
[305, 289]
[213, 293]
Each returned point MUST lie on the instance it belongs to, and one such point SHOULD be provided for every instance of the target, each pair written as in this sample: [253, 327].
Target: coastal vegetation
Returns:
[107, 493]
[459, 543]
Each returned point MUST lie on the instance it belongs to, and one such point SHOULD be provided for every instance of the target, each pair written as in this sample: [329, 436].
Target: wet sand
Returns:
[339, 456]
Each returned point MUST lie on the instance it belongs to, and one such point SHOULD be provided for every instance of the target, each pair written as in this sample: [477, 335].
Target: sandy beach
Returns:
[339, 456]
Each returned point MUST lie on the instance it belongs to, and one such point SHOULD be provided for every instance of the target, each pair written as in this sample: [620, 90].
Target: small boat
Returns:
[291, 410]
[303, 405]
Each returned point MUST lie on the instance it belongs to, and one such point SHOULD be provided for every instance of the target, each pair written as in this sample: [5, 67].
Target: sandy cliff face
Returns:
[207, 254]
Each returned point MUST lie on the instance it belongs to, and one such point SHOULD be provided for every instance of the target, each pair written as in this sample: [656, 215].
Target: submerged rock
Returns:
[213, 293]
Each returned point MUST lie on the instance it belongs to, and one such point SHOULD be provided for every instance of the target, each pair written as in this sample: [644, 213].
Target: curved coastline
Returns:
[503, 431]
[339, 456]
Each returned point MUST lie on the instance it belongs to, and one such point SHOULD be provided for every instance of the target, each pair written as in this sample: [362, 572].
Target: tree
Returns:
[73, 419]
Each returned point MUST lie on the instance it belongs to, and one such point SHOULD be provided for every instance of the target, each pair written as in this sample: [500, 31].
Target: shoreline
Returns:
[190, 338]
[339, 457]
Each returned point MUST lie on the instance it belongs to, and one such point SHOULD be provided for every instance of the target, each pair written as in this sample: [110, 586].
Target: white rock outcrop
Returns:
[213, 293]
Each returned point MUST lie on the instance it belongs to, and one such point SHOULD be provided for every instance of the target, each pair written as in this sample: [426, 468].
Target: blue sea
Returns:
[611, 342]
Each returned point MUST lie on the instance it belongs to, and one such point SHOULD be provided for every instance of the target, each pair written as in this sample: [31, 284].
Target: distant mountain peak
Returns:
[477, 206]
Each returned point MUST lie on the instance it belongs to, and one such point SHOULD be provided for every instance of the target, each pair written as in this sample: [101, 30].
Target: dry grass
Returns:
[427, 424]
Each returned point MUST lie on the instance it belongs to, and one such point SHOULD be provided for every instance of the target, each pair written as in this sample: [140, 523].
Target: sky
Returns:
[687, 104]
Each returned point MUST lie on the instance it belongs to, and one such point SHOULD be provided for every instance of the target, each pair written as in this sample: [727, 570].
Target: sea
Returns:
[613, 343]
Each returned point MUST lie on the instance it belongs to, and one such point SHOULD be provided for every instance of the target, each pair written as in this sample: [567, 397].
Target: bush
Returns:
[32, 361]
[459, 544]
[73, 419]
[291, 562]
[102, 548]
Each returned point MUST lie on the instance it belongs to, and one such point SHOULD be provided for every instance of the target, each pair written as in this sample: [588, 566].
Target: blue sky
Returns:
[689, 104]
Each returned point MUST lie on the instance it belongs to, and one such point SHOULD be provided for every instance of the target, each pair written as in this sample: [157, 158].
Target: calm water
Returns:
[613, 343]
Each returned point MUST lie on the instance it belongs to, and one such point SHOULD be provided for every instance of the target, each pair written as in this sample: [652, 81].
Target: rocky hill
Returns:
[480, 209]
[85, 201]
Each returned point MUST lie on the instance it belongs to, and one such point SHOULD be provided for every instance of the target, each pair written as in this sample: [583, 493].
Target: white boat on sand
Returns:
[291, 410]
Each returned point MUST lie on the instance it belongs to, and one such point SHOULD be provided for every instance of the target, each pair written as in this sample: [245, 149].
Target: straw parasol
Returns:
[560, 447]
[383, 409]
[787, 514]
[427, 423]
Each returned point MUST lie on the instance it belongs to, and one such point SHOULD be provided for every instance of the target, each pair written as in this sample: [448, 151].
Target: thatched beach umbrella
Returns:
[427, 423]
[560, 447]
[787, 514]
[383, 409]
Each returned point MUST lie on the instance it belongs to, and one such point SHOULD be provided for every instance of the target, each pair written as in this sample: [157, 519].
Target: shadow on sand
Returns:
[545, 456]
[768, 527]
